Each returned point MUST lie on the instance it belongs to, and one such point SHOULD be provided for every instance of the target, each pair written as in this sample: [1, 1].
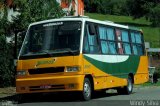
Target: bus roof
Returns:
[85, 18]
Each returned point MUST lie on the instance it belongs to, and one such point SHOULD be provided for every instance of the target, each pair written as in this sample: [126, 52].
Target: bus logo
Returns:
[45, 62]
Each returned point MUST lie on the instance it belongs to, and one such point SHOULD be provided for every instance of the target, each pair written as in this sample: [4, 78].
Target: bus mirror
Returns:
[92, 30]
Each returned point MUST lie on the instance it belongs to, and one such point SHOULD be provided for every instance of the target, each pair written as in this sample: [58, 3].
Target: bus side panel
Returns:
[142, 74]
[101, 79]
[108, 75]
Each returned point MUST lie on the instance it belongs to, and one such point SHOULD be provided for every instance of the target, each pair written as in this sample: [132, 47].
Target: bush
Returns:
[155, 15]
[156, 75]
[7, 73]
[158, 72]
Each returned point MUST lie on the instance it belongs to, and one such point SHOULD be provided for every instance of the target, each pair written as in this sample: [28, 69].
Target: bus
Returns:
[79, 54]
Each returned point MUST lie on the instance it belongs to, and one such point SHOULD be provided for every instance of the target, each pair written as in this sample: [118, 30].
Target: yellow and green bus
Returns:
[81, 54]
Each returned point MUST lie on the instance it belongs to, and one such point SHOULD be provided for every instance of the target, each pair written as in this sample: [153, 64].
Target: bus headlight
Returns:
[21, 73]
[73, 69]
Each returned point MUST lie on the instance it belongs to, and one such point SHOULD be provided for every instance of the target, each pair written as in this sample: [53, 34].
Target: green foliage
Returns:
[157, 72]
[154, 15]
[35, 10]
[6, 63]
[149, 9]
[113, 7]
[145, 8]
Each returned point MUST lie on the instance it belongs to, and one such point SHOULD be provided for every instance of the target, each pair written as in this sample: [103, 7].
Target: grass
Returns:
[7, 91]
[151, 34]
[150, 84]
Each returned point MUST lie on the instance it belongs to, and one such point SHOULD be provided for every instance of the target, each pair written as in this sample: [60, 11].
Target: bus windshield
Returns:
[54, 38]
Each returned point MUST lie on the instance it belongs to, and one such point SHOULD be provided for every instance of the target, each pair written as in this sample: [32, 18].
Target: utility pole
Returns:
[15, 50]
[159, 37]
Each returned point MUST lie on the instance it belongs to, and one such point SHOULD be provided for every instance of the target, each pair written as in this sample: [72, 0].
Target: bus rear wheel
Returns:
[87, 90]
[127, 89]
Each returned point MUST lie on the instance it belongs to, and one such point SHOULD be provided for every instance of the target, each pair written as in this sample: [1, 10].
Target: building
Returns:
[75, 6]
[10, 11]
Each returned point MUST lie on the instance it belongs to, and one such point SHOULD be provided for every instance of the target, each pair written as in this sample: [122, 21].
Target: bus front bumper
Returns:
[49, 84]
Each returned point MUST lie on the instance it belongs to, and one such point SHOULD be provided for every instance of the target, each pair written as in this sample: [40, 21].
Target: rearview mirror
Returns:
[92, 30]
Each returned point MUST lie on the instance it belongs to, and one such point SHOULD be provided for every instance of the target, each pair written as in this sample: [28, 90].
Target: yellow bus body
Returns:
[72, 81]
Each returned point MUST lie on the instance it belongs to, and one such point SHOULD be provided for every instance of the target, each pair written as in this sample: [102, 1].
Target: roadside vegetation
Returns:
[151, 84]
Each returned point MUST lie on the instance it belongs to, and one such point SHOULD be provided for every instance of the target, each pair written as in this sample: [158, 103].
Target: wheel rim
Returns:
[129, 85]
[87, 89]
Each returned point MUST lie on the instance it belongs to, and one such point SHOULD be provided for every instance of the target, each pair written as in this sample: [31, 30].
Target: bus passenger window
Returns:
[127, 48]
[125, 37]
[85, 45]
[110, 33]
[135, 51]
[103, 39]
[112, 47]
[126, 43]
[138, 48]
[90, 42]
[138, 38]
[133, 38]
[104, 46]
[107, 39]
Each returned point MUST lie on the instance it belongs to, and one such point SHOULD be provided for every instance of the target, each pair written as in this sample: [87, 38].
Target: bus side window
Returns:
[135, 50]
[103, 39]
[107, 40]
[85, 44]
[111, 41]
[136, 39]
[90, 42]
[126, 42]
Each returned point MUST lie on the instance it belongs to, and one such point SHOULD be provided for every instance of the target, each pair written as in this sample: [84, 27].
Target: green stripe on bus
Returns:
[120, 70]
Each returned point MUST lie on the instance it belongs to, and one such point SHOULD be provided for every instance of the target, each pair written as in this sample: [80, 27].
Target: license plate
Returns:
[45, 86]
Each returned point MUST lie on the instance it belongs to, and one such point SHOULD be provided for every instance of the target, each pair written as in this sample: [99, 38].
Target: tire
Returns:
[87, 90]
[19, 98]
[22, 98]
[127, 89]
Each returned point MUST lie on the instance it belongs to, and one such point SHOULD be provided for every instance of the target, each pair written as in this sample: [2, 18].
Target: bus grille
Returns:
[52, 87]
[46, 70]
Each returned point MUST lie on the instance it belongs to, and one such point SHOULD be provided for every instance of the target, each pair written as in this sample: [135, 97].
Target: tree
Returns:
[6, 58]
[30, 11]
[113, 7]
[35, 10]
[145, 8]
[154, 15]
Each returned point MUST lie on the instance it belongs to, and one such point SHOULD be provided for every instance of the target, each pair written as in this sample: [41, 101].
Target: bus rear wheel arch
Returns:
[129, 87]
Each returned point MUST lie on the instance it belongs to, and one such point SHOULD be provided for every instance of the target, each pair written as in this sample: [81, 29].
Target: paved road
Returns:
[140, 97]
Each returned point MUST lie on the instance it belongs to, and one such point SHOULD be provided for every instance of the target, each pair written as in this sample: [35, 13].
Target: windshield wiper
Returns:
[70, 51]
[64, 50]
[47, 52]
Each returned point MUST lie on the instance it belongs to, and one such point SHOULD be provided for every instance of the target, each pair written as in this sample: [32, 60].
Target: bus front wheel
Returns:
[87, 90]
[127, 89]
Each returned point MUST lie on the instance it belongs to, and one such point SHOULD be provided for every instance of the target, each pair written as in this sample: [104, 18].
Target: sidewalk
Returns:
[4, 92]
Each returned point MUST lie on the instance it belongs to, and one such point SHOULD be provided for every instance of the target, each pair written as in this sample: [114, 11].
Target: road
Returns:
[146, 96]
